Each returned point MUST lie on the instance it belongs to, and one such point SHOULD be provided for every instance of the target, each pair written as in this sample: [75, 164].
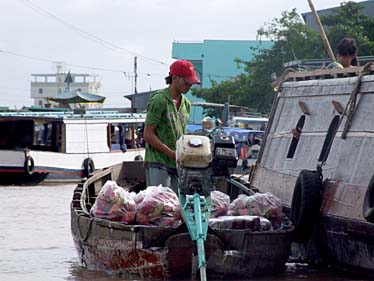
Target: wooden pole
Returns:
[322, 32]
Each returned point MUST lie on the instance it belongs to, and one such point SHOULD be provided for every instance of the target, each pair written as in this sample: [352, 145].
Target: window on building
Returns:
[59, 91]
[40, 103]
[40, 90]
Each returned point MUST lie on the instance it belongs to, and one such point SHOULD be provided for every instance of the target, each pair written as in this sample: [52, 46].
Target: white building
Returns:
[45, 86]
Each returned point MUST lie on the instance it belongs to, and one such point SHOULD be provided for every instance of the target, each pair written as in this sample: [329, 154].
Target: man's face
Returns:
[182, 85]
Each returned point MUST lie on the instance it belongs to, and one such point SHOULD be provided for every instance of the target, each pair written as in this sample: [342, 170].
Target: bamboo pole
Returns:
[322, 32]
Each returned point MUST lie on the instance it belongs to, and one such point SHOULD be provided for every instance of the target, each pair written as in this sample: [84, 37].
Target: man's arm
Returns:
[151, 138]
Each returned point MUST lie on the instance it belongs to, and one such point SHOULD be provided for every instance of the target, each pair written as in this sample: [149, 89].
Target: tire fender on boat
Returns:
[28, 165]
[138, 158]
[368, 207]
[306, 204]
[88, 167]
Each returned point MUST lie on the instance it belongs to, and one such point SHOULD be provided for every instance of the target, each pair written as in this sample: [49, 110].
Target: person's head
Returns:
[182, 75]
[207, 123]
[347, 52]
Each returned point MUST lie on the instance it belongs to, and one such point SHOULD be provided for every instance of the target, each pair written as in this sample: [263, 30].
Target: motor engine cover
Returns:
[194, 151]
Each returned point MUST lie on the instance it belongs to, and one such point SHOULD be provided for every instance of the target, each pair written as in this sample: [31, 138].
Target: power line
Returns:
[128, 73]
[86, 34]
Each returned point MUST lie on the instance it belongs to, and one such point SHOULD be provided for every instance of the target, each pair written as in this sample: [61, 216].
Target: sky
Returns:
[102, 37]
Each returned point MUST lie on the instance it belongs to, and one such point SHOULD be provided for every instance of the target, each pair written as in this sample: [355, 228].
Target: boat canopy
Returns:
[77, 97]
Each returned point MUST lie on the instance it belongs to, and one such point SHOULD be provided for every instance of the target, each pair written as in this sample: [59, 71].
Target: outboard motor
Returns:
[199, 161]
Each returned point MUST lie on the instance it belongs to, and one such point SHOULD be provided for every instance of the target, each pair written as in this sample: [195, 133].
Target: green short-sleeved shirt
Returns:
[170, 125]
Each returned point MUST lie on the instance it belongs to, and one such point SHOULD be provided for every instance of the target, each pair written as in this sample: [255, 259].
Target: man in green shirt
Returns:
[167, 116]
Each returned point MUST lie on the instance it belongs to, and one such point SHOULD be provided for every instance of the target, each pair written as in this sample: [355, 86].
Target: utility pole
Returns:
[134, 99]
[135, 85]
[136, 74]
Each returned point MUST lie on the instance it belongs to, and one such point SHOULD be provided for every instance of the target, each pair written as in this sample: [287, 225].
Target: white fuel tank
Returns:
[194, 151]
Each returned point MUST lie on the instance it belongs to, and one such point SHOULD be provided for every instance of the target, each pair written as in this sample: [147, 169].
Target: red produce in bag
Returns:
[220, 204]
[260, 204]
[157, 205]
[115, 204]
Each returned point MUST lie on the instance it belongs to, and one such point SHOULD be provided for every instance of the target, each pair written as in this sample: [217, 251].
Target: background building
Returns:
[45, 86]
[368, 10]
[215, 60]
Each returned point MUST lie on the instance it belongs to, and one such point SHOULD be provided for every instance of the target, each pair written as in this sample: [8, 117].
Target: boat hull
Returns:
[149, 252]
[328, 146]
[58, 165]
[162, 252]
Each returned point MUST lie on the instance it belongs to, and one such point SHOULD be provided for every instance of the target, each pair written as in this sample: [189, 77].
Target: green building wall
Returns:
[214, 60]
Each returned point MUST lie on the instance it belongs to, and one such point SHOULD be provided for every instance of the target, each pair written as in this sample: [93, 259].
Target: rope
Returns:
[352, 104]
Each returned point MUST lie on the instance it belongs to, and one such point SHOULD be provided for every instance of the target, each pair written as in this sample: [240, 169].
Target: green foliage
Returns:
[348, 21]
[293, 40]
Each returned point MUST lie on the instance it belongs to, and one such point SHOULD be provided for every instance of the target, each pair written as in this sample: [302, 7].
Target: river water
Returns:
[36, 243]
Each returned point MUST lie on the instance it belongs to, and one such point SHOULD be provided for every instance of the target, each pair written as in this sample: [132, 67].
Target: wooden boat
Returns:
[317, 157]
[65, 145]
[152, 252]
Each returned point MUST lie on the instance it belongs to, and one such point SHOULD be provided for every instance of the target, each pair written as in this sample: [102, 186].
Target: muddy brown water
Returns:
[36, 243]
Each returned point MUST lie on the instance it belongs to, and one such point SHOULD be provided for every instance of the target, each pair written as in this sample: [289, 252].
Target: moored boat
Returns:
[317, 157]
[66, 145]
[150, 252]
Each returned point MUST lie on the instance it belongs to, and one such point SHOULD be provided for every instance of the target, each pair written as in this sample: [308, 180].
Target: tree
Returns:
[293, 40]
[348, 21]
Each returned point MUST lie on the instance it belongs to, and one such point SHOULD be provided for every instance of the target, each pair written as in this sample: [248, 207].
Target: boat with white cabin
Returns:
[66, 145]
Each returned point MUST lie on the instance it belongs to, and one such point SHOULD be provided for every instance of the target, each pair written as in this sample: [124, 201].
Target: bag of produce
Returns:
[260, 204]
[220, 204]
[115, 204]
[157, 205]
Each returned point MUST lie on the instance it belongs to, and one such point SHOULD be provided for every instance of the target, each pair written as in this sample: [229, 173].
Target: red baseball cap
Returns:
[185, 69]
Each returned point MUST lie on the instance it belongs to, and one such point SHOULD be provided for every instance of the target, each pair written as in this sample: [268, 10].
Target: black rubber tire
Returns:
[138, 158]
[28, 166]
[368, 207]
[88, 167]
[306, 204]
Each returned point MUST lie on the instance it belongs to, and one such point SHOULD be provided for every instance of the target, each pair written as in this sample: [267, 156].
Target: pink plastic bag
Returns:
[220, 204]
[115, 204]
[157, 205]
[260, 204]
